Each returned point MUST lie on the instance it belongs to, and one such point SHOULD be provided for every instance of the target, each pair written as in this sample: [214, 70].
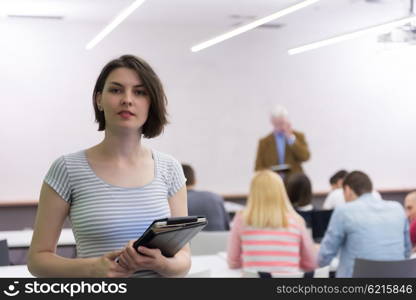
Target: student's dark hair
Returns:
[337, 176]
[359, 182]
[299, 189]
[189, 174]
[157, 117]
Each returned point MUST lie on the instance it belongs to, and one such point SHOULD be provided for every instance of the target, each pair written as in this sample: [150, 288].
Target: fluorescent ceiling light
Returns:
[29, 8]
[252, 25]
[383, 28]
[113, 24]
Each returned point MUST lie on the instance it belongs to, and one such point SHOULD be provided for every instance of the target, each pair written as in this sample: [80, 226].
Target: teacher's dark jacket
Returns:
[295, 154]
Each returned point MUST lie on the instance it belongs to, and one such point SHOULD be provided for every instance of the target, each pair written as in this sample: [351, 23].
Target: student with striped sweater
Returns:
[114, 190]
[269, 236]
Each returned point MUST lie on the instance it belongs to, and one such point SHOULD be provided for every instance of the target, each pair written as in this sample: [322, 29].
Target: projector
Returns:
[404, 34]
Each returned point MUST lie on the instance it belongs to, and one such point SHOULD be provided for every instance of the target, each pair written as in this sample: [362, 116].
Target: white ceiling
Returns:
[215, 13]
[208, 18]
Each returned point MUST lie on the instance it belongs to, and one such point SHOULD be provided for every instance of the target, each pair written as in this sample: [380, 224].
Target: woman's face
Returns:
[124, 100]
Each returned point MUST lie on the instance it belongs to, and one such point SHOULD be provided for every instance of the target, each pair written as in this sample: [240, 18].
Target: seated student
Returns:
[336, 196]
[206, 204]
[299, 190]
[413, 235]
[410, 207]
[365, 227]
[269, 235]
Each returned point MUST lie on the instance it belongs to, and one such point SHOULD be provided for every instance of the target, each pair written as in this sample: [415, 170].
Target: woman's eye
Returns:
[140, 92]
[114, 90]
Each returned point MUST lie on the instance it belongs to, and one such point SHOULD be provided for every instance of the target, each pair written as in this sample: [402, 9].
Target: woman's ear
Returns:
[98, 101]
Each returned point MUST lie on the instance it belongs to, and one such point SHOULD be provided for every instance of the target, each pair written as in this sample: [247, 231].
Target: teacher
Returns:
[284, 146]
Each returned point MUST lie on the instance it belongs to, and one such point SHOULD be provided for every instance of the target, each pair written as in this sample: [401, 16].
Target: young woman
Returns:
[269, 235]
[113, 190]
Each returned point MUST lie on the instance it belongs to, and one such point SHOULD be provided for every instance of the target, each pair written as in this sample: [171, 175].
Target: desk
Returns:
[19, 243]
[216, 265]
[22, 238]
[20, 271]
[202, 266]
[232, 207]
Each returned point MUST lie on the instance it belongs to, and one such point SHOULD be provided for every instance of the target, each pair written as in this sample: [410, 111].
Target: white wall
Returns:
[355, 106]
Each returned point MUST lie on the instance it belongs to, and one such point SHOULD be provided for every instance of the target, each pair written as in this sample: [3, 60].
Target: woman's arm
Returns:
[259, 165]
[42, 258]
[180, 264]
[300, 147]
[308, 251]
[152, 259]
[234, 258]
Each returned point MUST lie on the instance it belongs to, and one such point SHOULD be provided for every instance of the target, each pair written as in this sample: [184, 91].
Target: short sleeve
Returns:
[58, 179]
[176, 178]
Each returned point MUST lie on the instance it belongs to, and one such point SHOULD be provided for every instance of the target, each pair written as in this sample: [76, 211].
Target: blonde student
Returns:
[112, 191]
[269, 235]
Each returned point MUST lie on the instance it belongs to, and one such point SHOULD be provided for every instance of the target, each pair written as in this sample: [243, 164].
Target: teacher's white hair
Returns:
[279, 111]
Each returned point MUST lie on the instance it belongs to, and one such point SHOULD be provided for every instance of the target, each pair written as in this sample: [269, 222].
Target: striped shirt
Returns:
[105, 217]
[278, 250]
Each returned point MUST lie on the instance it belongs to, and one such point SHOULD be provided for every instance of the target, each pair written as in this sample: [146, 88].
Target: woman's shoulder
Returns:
[73, 156]
[163, 156]
[168, 167]
[239, 215]
[165, 161]
[238, 220]
[297, 221]
[65, 160]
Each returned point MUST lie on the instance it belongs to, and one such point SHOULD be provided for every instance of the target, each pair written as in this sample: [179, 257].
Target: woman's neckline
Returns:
[84, 154]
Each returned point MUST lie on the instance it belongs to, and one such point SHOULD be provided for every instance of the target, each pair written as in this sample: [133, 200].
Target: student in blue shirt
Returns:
[365, 227]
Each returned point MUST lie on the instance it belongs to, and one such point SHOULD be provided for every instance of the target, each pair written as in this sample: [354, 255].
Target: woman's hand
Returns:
[106, 266]
[146, 259]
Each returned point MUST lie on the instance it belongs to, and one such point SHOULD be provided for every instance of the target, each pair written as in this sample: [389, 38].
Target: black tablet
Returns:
[171, 234]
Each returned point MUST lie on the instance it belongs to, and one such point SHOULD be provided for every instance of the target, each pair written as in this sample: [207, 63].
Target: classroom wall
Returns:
[354, 102]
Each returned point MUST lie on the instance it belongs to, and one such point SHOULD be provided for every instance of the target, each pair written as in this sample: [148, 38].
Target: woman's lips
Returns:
[125, 114]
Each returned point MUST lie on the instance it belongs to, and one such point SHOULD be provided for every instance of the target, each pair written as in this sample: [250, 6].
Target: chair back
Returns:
[364, 268]
[317, 273]
[209, 242]
[4, 253]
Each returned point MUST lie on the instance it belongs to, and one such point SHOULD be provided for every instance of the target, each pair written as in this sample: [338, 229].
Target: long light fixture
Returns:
[114, 23]
[252, 25]
[29, 9]
[386, 27]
